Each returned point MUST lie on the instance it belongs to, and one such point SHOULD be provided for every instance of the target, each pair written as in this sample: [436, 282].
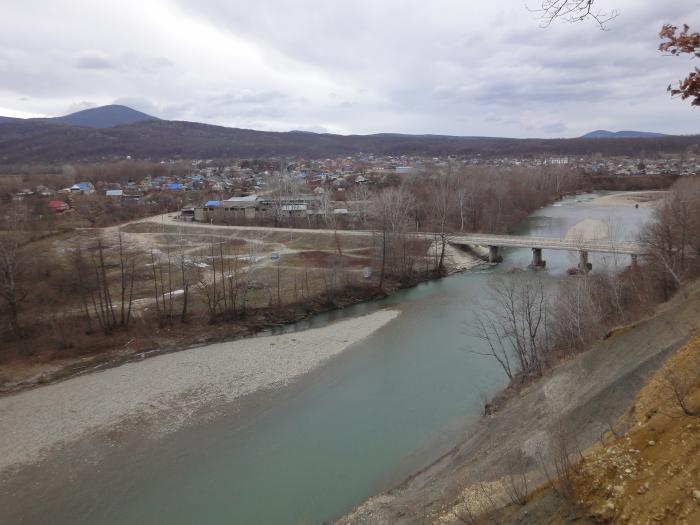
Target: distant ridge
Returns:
[116, 132]
[104, 117]
[605, 134]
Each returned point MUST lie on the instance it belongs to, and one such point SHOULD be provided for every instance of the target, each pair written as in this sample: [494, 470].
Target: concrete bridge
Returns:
[537, 244]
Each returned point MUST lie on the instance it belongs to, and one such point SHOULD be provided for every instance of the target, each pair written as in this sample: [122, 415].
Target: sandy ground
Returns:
[645, 199]
[178, 384]
[588, 230]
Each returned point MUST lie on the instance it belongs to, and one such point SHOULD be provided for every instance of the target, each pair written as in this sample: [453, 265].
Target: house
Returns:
[21, 195]
[115, 193]
[238, 207]
[84, 188]
[58, 206]
[293, 209]
[186, 214]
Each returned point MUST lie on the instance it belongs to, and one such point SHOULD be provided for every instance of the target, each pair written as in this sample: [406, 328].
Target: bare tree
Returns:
[572, 11]
[13, 264]
[360, 197]
[672, 238]
[516, 481]
[441, 206]
[514, 324]
[101, 284]
[89, 207]
[576, 318]
[283, 187]
[391, 213]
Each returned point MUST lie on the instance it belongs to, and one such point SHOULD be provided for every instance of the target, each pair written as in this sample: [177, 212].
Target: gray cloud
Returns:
[356, 66]
[93, 61]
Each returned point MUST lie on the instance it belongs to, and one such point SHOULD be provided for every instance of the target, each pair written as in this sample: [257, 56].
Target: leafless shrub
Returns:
[559, 461]
[679, 384]
[672, 238]
[516, 479]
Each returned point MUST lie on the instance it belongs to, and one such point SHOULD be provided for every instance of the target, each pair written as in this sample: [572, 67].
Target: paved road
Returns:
[602, 246]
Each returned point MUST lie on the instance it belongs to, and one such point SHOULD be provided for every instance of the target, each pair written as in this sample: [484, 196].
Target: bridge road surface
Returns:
[476, 239]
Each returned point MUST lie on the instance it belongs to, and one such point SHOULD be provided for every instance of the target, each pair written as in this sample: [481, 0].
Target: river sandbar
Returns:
[645, 199]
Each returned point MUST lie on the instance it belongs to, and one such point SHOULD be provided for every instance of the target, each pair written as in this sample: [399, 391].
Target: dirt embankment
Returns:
[651, 472]
[585, 396]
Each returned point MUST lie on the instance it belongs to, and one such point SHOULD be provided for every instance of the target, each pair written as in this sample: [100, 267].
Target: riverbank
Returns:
[642, 199]
[585, 394]
[103, 351]
[170, 387]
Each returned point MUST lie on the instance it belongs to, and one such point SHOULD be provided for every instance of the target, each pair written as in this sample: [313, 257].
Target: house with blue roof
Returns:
[84, 188]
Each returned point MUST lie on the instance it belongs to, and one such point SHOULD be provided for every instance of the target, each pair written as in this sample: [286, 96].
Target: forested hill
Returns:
[45, 140]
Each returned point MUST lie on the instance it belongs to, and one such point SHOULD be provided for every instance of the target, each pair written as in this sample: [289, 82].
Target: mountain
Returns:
[62, 140]
[605, 134]
[104, 117]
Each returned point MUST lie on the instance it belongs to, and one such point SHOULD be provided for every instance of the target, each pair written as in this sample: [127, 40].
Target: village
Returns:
[245, 191]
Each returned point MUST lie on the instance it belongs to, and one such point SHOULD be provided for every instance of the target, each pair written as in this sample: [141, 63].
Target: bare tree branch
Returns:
[572, 11]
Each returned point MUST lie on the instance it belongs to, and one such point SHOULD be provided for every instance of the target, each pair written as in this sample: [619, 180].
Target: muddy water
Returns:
[311, 451]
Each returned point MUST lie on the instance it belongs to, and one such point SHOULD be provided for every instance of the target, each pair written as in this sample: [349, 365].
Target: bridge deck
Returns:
[512, 241]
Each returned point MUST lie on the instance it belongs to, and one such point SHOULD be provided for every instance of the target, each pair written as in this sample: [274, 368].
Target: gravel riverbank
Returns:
[178, 384]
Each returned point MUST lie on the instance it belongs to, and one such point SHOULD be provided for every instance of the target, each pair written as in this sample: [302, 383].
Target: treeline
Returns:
[454, 199]
[90, 290]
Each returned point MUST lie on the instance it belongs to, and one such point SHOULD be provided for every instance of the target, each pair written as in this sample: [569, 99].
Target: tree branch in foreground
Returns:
[572, 11]
[678, 43]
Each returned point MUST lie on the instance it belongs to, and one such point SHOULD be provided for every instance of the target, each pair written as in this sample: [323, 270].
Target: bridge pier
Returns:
[494, 257]
[537, 261]
[583, 265]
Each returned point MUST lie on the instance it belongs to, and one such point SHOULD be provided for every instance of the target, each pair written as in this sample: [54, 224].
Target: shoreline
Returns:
[248, 328]
[174, 385]
[643, 199]
[585, 392]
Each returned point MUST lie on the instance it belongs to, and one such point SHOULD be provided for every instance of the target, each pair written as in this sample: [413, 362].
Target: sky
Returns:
[456, 67]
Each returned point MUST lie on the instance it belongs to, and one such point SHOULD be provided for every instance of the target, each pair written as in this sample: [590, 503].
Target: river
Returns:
[311, 451]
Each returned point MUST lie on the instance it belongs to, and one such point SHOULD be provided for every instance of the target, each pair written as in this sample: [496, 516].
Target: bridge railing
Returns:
[511, 241]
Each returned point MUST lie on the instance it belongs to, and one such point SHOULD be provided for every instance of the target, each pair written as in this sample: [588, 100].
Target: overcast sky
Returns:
[460, 67]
